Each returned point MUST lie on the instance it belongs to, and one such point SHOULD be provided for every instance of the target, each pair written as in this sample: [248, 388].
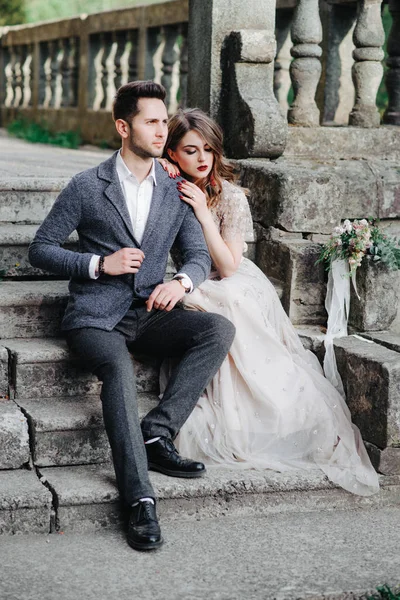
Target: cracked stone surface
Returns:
[14, 438]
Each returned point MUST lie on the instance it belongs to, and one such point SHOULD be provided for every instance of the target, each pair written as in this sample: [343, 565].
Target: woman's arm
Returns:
[226, 256]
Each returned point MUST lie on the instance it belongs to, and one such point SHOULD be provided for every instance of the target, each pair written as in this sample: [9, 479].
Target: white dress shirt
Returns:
[138, 198]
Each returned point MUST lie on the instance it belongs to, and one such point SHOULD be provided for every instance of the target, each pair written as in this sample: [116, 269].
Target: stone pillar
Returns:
[305, 69]
[231, 56]
[392, 114]
[369, 37]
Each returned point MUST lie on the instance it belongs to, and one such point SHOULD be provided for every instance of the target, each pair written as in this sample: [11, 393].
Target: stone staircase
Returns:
[55, 470]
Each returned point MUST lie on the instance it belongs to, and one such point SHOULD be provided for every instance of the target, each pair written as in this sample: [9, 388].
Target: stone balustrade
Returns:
[66, 72]
[44, 67]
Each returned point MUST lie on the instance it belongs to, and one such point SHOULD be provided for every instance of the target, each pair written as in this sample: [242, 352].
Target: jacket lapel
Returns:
[107, 170]
[155, 211]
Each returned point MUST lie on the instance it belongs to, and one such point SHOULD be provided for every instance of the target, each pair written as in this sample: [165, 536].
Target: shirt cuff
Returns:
[94, 262]
[187, 276]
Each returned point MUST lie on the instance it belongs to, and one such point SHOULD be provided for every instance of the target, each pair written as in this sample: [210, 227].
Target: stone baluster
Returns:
[107, 48]
[169, 58]
[50, 70]
[133, 41]
[73, 71]
[367, 72]
[152, 44]
[282, 82]
[392, 114]
[120, 38]
[183, 67]
[96, 51]
[18, 76]
[43, 58]
[27, 76]
[65, 73]
[305, 69]
[58, 73]
[9, 71]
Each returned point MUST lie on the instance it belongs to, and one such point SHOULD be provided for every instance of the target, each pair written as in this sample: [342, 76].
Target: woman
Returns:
[269, 406]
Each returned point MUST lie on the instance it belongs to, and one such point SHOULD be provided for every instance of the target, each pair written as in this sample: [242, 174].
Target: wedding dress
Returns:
[269, 406]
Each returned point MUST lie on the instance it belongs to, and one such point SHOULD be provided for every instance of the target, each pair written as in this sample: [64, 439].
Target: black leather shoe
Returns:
[143, 530]
[162, 456]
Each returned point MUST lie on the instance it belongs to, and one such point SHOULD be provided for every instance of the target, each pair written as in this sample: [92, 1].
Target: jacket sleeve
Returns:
[195, 258]
[45, 251]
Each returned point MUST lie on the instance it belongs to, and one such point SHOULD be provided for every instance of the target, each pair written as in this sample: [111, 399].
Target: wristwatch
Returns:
[184, 281]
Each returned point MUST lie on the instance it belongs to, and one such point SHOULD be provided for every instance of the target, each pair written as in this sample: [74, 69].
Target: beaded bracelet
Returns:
[101, 266]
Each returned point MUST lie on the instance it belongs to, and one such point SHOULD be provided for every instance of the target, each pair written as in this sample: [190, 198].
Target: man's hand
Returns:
[126, 260]
[165, 296]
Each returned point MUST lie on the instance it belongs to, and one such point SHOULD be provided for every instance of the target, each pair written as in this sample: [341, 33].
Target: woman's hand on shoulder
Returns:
[172, 170]
[192, 194]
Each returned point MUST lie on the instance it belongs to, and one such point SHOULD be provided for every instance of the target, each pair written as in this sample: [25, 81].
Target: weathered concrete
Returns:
[3, 373]
[25, 504]
[290, 259]
[378, 289]
[312, 196]
[243, 86]
[14, 244]
[371, 378]
[348, 143]
[14, 439]
[70, 431]
[44, 368]
[313, 556]
[28, 200]
[87, 498]
[32, 308]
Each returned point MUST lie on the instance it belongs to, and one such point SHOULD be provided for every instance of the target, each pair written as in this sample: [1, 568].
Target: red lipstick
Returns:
[202, 168]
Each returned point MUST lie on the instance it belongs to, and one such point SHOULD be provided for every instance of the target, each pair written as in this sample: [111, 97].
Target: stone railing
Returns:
[341, 87]
[66, 72]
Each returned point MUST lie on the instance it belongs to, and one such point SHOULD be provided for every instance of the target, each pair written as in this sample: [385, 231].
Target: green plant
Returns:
[41, 133]
[385, 593]
[354, 240]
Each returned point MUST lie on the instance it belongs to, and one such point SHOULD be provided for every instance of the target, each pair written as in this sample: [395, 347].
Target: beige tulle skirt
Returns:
[269, 406]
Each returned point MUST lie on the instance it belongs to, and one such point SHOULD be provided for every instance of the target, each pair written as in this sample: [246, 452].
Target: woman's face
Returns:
[193, 155]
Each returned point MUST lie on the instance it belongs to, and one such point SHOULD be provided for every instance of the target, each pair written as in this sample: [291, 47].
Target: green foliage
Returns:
[39, 133]
[43, 10]
[12, 12]
[354, 240]
[385, 593]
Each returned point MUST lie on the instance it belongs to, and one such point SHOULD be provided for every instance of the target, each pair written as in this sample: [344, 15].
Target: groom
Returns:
[127, 213]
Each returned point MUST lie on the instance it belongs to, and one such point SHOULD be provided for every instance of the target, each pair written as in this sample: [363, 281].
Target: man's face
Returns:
[148, 129]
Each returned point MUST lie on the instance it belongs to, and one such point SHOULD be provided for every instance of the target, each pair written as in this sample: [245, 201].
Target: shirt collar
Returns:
[124, 173]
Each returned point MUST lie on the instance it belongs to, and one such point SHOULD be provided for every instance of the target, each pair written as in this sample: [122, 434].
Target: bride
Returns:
[269, 406]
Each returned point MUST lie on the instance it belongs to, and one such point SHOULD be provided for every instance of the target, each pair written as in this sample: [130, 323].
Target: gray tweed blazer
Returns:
[93, 203]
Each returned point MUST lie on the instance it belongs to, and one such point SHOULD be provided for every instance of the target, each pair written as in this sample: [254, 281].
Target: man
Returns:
[127, 213]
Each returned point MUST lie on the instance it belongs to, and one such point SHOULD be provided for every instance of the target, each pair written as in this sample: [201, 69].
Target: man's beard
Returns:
[144, 152]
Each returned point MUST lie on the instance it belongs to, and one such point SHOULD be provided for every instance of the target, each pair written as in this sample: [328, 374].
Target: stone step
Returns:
[44, 368]
[14, 437]
[86, 497]
[26, 505]
[70, 431]
[32, 308]
[14, 243]
[28, 199]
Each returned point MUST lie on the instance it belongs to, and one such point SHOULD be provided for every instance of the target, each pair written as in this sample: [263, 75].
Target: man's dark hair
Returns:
[125, 104]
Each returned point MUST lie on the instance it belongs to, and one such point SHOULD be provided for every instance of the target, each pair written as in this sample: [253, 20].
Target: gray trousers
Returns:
[199, 340]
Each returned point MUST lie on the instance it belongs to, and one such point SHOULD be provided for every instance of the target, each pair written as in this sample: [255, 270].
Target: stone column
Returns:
[305, 69]
[392, 114]
[231, 54]
[369, 38]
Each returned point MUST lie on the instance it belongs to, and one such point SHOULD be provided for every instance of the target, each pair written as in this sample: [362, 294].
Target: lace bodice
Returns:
[232, 215]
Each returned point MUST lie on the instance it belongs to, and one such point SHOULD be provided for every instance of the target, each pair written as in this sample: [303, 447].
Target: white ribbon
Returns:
[337, 304]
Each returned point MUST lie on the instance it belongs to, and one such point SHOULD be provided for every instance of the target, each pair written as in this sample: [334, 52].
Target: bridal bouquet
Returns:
[354, 240]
